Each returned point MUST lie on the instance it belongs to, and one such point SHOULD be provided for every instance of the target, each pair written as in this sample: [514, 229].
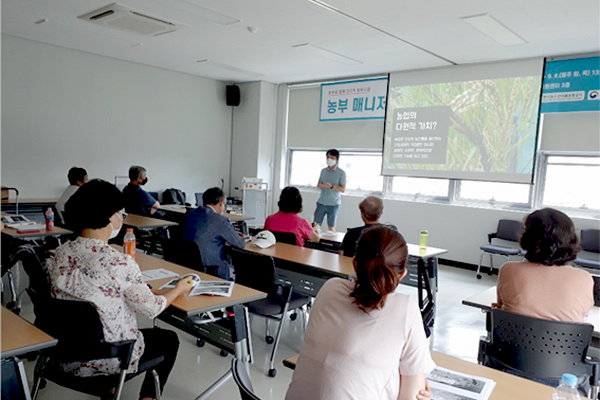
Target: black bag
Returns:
[173, 196]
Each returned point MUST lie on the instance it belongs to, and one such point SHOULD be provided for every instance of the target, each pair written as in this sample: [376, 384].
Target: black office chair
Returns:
[285, 237]
[258, 272]
[242, 379]
[590, 241]
[14, 380]
[508, 230]
[77, 326]
[538, 349]
[185, 253]
[199, 201]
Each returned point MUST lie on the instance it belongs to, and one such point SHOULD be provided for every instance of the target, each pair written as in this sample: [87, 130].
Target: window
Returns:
[363, 169]
[420, 186]
[571, 181]
[494, 192]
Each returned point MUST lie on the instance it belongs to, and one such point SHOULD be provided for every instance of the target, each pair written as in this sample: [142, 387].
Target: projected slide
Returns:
[483, 128]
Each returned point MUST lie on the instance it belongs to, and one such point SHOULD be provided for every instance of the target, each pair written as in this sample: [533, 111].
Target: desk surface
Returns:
[181, 209]
[19, 336]
[31, 201]
[141, 222]
[30, 235]
[507, 386]
[317, 259]
[485, 299]
[193, 305]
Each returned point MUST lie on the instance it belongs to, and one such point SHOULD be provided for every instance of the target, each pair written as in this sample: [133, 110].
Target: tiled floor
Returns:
[456, 332]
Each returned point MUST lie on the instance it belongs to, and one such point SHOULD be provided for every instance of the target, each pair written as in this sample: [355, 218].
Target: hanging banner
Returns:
[364, 99]
[571, 85]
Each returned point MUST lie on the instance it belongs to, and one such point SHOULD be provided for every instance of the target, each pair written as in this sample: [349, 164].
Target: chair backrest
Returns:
[285, 237]
[509, 229]
[537, 348]
[199, 201]
[256, 271]
[14, 380]
[590, 240]
[596, 290]
[182, 252]
[241, 378]
[31, 260]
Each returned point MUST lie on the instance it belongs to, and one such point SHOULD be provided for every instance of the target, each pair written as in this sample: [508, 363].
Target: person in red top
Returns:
[288, 220]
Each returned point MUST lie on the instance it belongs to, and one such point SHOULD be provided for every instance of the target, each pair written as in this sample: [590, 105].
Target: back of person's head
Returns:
[290, 200]
[213, 196]
[371, 208]
[92, 205]
[381, 253]
[135, 171]
[333, 153]
[76, 174]
[549, 237]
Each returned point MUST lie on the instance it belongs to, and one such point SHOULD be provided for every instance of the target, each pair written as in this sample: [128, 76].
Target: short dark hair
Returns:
[92, 205]
[76, 174]
[549, 237]
[290, 200]
[212, 196]
[135, 171]
[371, 208]
[333, 153]
[381, 254]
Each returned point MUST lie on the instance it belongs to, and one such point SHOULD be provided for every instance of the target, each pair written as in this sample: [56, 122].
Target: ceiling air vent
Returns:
[129, 20]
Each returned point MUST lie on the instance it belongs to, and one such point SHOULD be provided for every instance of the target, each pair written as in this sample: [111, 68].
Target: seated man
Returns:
[210, 229]
[371, 209]
[77, 177]
[137, 200]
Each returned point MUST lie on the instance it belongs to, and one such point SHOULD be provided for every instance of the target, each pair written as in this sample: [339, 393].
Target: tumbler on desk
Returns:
[423, 240]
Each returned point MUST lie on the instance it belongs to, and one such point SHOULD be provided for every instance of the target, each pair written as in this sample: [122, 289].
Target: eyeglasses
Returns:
[123, 215]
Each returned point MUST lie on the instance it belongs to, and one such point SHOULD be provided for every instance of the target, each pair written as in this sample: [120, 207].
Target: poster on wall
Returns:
[352, 100]
[571, 85]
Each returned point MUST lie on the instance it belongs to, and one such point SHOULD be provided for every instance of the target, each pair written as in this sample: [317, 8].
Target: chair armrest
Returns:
[284, 292]
[85, 351]
[491, 236]
[483, 345]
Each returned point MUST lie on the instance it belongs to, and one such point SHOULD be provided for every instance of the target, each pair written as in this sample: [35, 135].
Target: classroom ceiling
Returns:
[300, 40]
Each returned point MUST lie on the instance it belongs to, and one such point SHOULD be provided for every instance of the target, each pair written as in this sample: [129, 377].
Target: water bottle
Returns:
[49, 219]
[567, 390]
[129, 243]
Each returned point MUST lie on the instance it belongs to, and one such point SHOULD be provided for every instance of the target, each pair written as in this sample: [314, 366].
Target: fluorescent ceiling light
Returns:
[215, 64]
[494, 29]
[330, 55]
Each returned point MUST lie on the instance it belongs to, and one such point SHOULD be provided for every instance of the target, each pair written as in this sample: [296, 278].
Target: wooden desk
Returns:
[507, 386]
[31, 201]
[19, 336]
[36, 235]
[146, 223]
[485, 299]
[181, 209]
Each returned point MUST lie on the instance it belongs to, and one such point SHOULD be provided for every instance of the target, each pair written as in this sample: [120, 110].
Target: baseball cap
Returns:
[265, 239]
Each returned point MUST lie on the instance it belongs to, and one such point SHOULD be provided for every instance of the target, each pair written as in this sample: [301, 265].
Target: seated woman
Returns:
[89, 269]
[364, 340]
[543, 286]
[288, 220]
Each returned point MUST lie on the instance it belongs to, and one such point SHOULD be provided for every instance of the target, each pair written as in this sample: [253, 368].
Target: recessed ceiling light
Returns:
[495, 29]
[330, 55]
[215, 64]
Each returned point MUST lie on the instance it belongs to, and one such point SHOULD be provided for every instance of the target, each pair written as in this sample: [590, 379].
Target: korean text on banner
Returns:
[362, 99]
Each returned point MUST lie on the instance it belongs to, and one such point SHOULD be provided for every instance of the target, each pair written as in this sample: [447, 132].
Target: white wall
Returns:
[64, 108]
[459, 229]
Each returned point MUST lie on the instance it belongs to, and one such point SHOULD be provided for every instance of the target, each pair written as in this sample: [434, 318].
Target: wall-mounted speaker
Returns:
[232, 95]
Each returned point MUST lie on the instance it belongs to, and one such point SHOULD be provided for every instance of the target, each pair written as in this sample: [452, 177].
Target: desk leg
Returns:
[243, 348]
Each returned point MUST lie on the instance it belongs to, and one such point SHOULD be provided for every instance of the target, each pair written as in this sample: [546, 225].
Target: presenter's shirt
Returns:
[555, 292]
[336, 177]
[290, 222]
[351, 355]
[89, 269]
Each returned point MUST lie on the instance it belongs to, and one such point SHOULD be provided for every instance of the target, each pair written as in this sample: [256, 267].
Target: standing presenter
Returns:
[332, 183]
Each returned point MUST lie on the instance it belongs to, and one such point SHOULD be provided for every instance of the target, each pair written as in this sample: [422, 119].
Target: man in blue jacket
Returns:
[210, 229]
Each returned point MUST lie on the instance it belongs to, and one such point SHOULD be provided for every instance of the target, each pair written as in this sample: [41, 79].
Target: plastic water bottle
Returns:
[567, 390]
[49, 219]
[129, 243]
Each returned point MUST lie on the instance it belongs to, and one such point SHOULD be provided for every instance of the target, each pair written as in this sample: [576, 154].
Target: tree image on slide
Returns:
[492, 123]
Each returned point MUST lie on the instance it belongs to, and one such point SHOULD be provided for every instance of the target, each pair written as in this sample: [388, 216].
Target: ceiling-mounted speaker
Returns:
[232, 95]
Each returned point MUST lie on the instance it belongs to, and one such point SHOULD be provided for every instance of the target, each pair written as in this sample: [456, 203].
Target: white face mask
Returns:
[331, 162]
[115, 232]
